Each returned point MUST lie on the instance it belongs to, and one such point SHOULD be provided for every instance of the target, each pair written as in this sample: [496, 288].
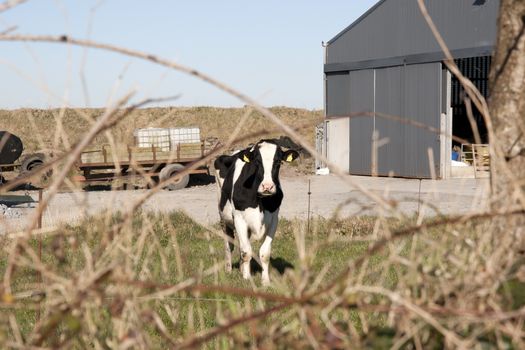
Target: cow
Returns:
[250, 195]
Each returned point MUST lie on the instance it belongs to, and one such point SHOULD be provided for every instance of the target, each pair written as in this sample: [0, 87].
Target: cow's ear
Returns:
[290, 155]
[246, 156]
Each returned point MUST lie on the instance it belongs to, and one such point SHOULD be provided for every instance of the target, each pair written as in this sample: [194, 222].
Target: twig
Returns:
[398, 119]
[185, 69]
[71, 159]
[473, 93]
[397, 299]
[309, 298]
[406, 232]
[210, 289]
[8, 30]
[470, 88]
[208, 335]
[9, 4]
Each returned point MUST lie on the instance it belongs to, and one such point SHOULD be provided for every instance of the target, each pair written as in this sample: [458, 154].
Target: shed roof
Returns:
[394, 32]
[356, 22]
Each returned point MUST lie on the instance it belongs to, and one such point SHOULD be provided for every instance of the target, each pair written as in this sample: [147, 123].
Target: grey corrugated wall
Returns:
[390, 100]
[361, 127]
[388, 61]
[412, 92]
[422, 103]
[397, 28]
[337, 94]
[338, 104]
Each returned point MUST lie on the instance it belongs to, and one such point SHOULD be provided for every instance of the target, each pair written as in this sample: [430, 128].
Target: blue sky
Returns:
[270, 50]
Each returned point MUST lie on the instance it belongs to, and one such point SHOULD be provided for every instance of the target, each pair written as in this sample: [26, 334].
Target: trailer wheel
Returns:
[171, 170]
[30, 163]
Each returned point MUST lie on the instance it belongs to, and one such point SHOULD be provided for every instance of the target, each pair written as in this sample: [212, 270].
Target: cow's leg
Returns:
[241, 229]
[264, 254]
[228, 246]
[266, 248]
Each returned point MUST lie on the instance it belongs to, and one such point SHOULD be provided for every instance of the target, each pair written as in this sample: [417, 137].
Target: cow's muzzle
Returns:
[266, 189]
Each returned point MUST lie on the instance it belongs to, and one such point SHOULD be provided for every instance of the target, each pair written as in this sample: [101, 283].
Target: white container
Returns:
[166, 138]
[157, 137]
[185, 135]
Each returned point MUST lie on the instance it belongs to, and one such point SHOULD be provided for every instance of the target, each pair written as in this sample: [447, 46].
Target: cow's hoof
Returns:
[246, 275]
[245, 269]
[266, 282]
[265, 279]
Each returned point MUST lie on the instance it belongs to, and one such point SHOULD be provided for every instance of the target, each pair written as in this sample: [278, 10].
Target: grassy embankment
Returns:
[56, 131]
[38, 128]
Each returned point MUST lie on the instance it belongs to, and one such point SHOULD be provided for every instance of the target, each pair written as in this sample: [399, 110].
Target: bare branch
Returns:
[64, 39]
[9, 4]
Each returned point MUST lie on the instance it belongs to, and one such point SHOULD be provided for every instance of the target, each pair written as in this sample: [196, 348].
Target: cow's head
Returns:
[265, 157]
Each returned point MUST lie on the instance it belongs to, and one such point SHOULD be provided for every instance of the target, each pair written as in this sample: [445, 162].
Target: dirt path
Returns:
[327, 193]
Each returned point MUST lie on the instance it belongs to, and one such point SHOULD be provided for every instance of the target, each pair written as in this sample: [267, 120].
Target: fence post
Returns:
[40, 214]
[308, 216]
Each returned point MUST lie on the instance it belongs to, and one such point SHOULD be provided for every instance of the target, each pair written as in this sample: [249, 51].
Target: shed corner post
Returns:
[445, 129]
[325, 106]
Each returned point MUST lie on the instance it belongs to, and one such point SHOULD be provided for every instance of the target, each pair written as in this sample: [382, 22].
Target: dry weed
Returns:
[139, 280]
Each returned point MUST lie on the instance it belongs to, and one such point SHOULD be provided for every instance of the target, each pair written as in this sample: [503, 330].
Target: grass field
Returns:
[159, 281]
[139, 280]
[169, 250]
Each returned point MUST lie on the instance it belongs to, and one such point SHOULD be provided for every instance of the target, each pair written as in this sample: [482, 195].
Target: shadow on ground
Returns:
[22, 187]
[201, 180]
[15, 200]
[279, 264]
[195, 180]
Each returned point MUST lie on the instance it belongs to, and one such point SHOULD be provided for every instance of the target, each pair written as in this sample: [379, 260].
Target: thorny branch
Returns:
[437, 316]
[185, 69]
[9, 4]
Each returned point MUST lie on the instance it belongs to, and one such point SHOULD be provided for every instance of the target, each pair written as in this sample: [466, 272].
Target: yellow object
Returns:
[8, 298]
[246, 159]
[289, 158]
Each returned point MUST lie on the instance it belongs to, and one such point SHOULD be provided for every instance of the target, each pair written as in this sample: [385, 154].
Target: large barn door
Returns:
[361, 126]
[412, 92]
[422, 104]
[390, 134]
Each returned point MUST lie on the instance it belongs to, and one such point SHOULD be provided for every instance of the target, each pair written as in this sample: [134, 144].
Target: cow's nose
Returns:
[267, 187]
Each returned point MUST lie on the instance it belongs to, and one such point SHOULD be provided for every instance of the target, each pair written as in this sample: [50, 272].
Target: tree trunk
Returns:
[507, 111]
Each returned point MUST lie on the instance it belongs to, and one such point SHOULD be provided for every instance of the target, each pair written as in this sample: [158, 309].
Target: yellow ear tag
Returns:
[289, 158]
[246, 159]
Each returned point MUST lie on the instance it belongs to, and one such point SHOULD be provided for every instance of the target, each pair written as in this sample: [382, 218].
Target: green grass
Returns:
[182, 249]
[169, 249]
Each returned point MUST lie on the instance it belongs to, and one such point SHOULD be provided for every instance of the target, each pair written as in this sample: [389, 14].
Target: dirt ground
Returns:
[455, 196]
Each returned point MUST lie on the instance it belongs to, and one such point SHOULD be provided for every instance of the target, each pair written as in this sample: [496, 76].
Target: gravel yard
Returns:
[455, 196]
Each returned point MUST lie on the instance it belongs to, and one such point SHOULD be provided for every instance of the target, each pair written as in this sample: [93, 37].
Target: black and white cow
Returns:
[249, 199]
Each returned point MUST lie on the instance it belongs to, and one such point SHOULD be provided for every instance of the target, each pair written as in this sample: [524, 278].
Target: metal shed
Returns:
[387, 65]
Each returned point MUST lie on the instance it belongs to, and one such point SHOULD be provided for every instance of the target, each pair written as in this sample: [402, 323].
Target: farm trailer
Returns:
[139, 164]
[12, 159]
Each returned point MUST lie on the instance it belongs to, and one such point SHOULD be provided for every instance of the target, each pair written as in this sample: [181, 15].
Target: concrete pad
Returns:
[328, 195]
